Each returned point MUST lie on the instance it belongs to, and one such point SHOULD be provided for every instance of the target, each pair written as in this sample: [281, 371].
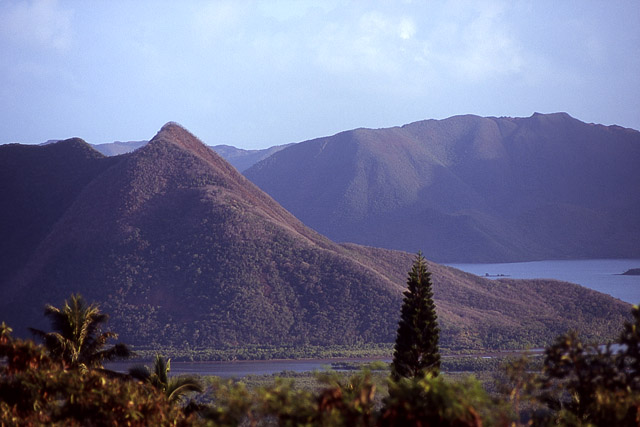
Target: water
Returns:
[242, 368]
[602, 275]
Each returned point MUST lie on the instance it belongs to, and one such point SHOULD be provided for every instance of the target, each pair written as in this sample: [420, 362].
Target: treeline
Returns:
[267, 352]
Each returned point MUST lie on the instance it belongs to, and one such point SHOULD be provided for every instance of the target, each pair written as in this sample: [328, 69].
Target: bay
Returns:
[602, 275]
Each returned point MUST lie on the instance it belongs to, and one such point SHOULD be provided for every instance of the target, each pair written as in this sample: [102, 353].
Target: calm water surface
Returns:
[602, 275]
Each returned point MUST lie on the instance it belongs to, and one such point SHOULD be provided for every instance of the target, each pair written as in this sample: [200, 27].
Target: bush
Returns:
[432, 401]
[35, 390]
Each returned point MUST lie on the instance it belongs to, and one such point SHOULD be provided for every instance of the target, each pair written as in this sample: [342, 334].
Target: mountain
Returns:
[240, 159]
[243, 159]
[468, 188]
[119, 147]
[38, 184]
[182, 250]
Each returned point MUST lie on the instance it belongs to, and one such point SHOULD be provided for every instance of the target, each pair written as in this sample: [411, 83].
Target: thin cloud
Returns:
[217, 21]
[372, 43]
[474, 44]
[40, 23]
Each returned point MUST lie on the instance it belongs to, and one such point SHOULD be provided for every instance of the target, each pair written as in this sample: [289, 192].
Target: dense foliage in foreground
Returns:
[579, 384]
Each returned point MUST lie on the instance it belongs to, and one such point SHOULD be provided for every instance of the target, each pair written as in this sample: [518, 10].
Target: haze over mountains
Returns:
[469, 189]
[181, 249]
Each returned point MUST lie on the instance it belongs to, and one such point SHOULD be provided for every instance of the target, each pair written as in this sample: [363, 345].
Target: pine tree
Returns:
[416, 350]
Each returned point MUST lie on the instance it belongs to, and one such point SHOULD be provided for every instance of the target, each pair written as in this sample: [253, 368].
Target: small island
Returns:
[632, 272]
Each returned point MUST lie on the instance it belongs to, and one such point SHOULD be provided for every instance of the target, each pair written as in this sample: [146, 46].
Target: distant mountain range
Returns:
[118, 147]
[468, 188]
[182, 250]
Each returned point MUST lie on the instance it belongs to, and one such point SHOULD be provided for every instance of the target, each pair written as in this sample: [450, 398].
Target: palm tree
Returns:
[5, 333]
[158, 376]
[77, 340]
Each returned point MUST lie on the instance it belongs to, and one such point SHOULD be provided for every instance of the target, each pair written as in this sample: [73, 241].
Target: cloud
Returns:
[414, 48]
[471, 42]
[38, 23]
[485, 47]
[406, 29]
[372, 42]
[218, 20]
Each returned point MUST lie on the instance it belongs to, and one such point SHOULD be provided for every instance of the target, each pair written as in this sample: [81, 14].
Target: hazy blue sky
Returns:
[255, 74]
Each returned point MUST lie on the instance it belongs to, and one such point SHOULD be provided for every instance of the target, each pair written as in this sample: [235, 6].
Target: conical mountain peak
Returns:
[176, 134]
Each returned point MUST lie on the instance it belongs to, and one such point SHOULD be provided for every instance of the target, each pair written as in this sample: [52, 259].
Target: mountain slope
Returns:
[37, 185]
[172, 233]
[243, 159]
[469, 189]
[182, 250]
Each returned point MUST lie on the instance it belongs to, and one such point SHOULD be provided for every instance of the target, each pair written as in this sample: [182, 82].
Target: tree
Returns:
[592, 384]
[416, 349]
[77, 340]
[158, 376]
[629, 359]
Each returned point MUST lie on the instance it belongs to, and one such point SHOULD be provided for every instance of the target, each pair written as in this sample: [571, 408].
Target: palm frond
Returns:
[161, 368]
[140, 372]
[178, 387]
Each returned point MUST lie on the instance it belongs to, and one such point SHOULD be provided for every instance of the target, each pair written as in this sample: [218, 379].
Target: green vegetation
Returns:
[185, 254]
[577, 384]
[36, 390]
[416, 350]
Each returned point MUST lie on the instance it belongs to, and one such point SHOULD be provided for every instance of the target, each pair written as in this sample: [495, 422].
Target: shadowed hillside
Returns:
[37, 185]
[469, 189]
[182, 250]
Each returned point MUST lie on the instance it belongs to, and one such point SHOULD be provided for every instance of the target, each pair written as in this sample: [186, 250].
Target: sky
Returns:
[253, 74]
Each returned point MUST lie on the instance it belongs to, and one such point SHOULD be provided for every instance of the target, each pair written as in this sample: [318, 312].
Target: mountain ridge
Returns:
[182, 250]
[473, 188]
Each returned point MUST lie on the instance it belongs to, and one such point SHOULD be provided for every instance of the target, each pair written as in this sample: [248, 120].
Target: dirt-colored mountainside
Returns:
[182, 250]
[468, 188]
